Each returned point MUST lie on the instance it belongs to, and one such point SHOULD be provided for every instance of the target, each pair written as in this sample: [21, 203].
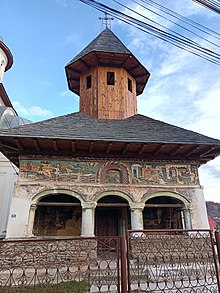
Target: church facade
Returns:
[106, 169]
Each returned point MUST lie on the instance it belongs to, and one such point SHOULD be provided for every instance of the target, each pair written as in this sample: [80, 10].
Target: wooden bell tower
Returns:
[107, 77]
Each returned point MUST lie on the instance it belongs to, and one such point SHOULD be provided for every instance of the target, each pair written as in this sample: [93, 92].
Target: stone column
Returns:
[187, 218]
[88, 219]
[137, 216]
[31, 218]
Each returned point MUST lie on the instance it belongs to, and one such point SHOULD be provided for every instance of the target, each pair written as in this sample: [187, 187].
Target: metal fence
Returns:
[144, 261]
[172, 261]
[67, 265]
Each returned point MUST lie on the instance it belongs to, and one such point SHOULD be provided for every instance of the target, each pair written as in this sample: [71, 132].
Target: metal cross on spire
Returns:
[106, 20]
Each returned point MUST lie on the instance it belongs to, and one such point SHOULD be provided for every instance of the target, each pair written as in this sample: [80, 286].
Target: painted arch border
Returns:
[38, 196]
[172, 194]
[115, 193]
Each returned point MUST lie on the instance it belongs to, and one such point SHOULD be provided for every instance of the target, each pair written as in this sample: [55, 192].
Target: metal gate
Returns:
[67, 265]
[172, 261]
[144, 261]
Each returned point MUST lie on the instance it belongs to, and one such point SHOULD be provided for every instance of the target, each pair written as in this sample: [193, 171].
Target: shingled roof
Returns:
[106, 41]
[79, 134]
[105, 50]
[137, 128]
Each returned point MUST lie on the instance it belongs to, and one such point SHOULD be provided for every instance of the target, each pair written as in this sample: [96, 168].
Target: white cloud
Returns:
[183, 89]
[31, 112]
[73, 38]
[209, 105]
[62, 2]
[210, 179]
[65, 94]
[48, 83]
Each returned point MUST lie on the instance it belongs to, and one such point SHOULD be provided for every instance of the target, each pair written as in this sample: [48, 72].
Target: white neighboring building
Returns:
[8, 176]
[8, 119]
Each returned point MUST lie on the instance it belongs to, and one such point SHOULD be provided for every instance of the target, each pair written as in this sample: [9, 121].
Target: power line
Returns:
[175, 39]
[210, 4]
[178, 17]
[183, 19]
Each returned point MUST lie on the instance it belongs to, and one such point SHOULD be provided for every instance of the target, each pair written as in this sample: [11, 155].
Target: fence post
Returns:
[217, 241]
[123, 265]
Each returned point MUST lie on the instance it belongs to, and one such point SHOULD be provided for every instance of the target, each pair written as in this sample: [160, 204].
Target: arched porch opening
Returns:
[163, 212]
[58, 215]
[112, 216]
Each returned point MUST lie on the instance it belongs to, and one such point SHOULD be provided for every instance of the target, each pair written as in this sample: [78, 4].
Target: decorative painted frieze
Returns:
[109, 172]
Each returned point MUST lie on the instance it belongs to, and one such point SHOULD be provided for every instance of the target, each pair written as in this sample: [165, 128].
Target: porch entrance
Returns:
[112, 216]
[58, 215]
[163, 212]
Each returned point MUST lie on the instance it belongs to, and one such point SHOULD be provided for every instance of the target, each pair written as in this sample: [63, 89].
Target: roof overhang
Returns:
[5, 97]
[8, 54]
[13, 147]
[93, 59]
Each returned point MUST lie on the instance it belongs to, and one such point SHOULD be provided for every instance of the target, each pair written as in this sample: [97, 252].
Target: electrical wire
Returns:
[210, 4]
[174, 22]
[179, 41]
[183, 19]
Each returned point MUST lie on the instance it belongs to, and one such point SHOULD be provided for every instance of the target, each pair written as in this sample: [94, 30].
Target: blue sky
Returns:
[44, 36]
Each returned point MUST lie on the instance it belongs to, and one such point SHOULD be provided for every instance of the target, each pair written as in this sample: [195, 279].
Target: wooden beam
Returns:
[84, 63]
[8, 147]
[73, 146]
[133, 68]
[60, 204]
[91, 147]
[125, 60]
[142, 149]
[191, 151]
[207, 152]
[157, 151]
[55, 147]
[108, 149]
[73, 79]
[74, 70]
[165, 205]
[125, 148]
[36, 144]
[112, 204]
[175, 150]
[19, 145]
[141, 75]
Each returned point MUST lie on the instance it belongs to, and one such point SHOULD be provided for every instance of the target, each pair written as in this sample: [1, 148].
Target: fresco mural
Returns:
[58, 170]
[164, 174]
[110, 172]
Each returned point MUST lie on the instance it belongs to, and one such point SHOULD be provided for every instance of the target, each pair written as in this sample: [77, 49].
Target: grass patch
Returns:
[63, 287]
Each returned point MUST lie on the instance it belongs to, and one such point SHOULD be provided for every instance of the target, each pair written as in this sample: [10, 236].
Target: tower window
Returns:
[110, 78]
[88, 81]
[130, 85]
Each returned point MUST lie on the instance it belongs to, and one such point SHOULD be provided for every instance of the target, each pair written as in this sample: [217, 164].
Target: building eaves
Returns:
[138, 128]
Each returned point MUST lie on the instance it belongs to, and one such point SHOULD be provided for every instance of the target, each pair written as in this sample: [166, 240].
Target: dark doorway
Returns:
[163, 213]
[58, 215]
[112, 217]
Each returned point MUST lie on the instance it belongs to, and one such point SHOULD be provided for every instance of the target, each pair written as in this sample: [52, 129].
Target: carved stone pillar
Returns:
[137, 216]
[31, 218]
[88, 220]
[187, 218]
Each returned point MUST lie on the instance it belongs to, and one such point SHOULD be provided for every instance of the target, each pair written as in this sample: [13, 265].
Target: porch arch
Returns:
[55, 212]
[178, 196]
[115, 193]
[112, 213]
[166, 210]
[38, 196]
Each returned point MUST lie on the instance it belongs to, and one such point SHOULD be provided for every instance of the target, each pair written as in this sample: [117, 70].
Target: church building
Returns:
[106, 168]
[8, 119]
